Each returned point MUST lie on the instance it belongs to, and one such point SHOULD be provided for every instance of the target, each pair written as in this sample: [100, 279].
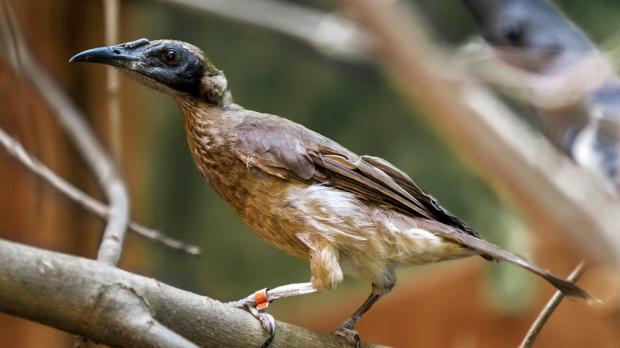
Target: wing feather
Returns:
[299, 154]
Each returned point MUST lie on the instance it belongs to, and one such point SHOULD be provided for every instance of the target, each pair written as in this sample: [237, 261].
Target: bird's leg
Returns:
[347, 329]
[326, 273]
[258, 302]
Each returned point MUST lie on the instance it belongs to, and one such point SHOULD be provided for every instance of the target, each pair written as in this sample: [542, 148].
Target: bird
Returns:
[535, 36]
[301, 192]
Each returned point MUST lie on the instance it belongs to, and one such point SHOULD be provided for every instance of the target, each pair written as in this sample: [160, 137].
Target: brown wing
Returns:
[430, 203]
[277, 153]
[291, 152]
[379, 181]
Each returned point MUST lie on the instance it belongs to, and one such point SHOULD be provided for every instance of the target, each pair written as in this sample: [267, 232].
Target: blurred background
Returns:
[465, 303]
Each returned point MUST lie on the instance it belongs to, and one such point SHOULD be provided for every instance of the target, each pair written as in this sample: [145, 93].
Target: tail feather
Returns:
[491, 251]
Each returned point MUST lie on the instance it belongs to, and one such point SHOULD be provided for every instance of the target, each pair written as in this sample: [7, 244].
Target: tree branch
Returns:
[111, 9]
[526, 167]
[329, 33]
[118, 308]
[585, 74]
[79, 132]
[546, 313]
[15, 149]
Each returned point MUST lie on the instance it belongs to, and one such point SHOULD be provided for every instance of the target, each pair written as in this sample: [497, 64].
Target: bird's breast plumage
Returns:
[259, 198]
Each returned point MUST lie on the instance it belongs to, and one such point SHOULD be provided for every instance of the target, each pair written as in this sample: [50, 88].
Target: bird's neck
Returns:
[214, 90]
[208, 126]
[200, 115]
[207, 129]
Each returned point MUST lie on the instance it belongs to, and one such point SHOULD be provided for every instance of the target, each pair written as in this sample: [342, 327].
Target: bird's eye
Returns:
[170, 57]
[514, 32]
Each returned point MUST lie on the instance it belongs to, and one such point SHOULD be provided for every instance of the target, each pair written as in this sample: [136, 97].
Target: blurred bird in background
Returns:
[534, 35]
[302, 192]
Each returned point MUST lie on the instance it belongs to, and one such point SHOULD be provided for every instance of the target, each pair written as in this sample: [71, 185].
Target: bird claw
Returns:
[269, 324]
[256, 304]
[350, 335]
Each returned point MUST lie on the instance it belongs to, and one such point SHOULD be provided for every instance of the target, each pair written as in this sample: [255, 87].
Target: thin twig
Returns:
[331, 34]
[546, 313]
[111, 18]
[85, 141]
[15, 149]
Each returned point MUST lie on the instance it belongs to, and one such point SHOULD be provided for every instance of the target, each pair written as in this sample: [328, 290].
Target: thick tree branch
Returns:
[331, 34]
[15, 149]
[111, 10]
[118, 308]
[527, 168]
[79, 132]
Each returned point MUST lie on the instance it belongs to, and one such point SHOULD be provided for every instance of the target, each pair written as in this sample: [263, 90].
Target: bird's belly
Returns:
[268, 212]
[418, 246]
[584, 149]
[598, 153]
[368, 237]
[297, 217]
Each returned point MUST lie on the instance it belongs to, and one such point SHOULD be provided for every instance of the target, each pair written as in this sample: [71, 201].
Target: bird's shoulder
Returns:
[280, 146]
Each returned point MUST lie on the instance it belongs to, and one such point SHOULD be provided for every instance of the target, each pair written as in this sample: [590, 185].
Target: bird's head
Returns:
[530, 33]
[173, 67]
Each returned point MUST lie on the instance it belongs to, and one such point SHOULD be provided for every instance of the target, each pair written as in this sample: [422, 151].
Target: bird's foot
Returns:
[349, 334]
[256, 305]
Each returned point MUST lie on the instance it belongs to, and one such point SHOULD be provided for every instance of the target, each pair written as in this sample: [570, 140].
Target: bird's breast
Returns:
[259, 198]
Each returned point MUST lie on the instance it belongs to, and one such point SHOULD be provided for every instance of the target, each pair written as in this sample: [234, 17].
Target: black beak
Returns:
[122, 56]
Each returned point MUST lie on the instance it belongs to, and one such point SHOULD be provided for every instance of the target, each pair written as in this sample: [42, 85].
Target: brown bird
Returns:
[302, 192]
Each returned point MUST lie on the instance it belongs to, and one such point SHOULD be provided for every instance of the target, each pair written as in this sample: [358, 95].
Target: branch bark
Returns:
[111, 9]
[118, 308]
[331, 34]
[525, 167]
[72, 120]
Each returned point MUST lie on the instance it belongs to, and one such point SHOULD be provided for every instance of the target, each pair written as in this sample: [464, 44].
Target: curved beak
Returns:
[123, 56]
